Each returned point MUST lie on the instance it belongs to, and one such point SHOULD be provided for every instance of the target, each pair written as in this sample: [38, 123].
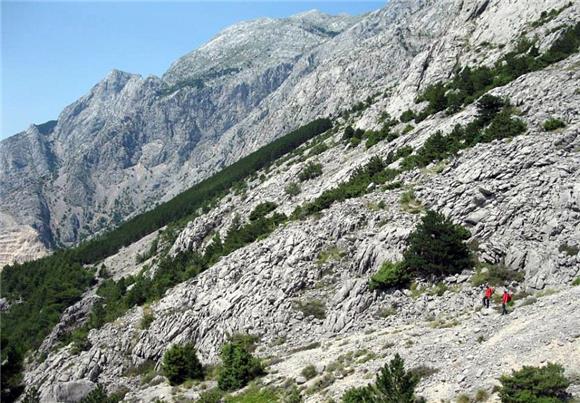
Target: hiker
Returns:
[487, 295]
[506, 297]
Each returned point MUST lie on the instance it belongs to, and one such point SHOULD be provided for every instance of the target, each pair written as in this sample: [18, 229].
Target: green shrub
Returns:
[180, 363]
[80, 340]
[99, 395]
[312, 307]
[255, 394]
[553, 124]
[569, 250]
[359, 395]
[481, 395]
[310, 171]
[463, 398]
[292, 189]
[437, 246]
[309, 372]
[496, 275]
[147, 318]
[238, 367]
[393, 385]
[407, 116]
[408, 128]
[576, 281]
[389, 275]
[318, 149]
[262, 209]
[214, 395]
[535, 385]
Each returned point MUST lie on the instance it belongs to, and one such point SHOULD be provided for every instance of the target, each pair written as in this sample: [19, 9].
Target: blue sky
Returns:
[54, 52]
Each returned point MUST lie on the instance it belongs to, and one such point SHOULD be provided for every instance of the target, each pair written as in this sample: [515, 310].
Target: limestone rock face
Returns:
[519, 197]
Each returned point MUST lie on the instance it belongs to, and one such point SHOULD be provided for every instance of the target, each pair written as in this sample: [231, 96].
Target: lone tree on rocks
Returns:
[393, 385]
[180, 363]
[437, 246]
[239, 366]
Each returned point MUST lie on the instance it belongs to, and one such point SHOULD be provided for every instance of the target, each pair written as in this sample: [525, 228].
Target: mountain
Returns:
[326, 257]
[133, 142]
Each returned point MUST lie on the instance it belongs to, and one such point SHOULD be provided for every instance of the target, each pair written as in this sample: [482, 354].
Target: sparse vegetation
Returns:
[309, 372]
[292, 189]
[147, 318]
[310, 171]
[553, 124]
[409, 202]
[312, 307]
[330, 254]
[496, 275]
[470, 83]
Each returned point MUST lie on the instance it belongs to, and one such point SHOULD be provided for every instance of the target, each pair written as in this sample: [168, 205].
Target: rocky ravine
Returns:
[520, 198]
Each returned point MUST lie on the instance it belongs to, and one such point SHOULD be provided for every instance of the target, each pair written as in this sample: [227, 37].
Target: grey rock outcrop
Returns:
[519, 197]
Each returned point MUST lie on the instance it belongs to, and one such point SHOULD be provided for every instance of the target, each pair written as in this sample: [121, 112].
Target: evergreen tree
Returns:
[437, 246]
[238, 366]
[535, 385]
[180, 363]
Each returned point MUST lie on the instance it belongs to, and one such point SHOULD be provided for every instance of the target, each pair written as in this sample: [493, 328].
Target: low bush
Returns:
[407, 116]
[292, 189]
[310, 171]
[309, 372]
[318, 149]
[262, 209]
[99, 395]
[389, 275]
[496, 275]
[180, 363]
[238, 367]
[553, 124]
[312, 307]
[545, 384]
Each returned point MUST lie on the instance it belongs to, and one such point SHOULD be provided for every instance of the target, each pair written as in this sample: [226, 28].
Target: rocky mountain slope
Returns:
[303, 289]
[133, 142]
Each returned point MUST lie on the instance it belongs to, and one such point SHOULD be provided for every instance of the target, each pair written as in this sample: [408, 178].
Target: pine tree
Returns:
[437, 246]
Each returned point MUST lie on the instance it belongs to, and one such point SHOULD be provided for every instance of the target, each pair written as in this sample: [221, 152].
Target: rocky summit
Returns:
[458, 115]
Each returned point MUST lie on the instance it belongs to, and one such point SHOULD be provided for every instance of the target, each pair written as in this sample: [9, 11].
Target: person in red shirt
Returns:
[488, 292]
[506, 297]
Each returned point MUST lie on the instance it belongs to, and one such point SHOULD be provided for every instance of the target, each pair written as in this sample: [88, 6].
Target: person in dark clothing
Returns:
[488, 292]
[506, 297]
